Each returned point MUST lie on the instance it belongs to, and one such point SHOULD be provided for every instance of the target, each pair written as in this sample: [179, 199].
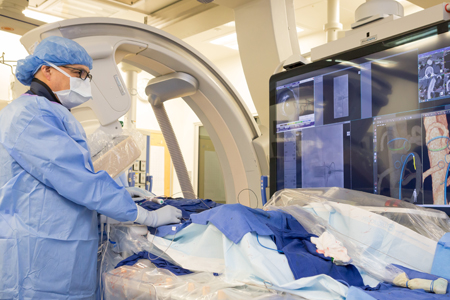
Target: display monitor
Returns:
[374, 119]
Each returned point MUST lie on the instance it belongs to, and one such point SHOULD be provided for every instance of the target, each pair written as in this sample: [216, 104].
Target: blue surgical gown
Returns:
[49, 199]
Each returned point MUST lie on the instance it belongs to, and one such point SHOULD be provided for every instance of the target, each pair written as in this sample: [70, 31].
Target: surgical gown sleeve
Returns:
[55, 153]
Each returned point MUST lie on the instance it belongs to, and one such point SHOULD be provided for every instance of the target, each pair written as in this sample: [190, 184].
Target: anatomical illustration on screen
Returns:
[323, 157]
[436, 154]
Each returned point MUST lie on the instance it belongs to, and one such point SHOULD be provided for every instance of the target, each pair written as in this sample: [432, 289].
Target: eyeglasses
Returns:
[81, 73]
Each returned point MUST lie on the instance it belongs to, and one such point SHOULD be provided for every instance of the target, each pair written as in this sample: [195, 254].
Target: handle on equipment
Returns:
[264, 184]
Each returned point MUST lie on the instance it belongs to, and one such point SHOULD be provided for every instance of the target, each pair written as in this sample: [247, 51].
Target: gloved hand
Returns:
[136, 192]
[163, 216]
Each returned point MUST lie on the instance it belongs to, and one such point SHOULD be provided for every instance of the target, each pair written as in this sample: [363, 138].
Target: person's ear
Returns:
[46, 72]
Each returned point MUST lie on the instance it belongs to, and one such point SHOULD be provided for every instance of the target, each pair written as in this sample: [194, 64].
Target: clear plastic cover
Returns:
[144, 280]
[318, 209]
[115, 153]
[427, 222]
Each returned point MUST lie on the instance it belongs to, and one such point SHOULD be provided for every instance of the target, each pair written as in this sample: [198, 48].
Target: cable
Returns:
[247, 189]
[108, 228]
[257, 238]
[401, 174]
[153, 245]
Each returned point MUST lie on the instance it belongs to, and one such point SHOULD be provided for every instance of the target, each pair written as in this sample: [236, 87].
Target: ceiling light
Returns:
[299, 29]
[229, 41]
[230, 24]
[41, 16]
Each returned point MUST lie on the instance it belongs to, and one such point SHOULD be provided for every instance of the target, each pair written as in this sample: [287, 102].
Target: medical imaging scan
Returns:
[296, 100]
[433, 69]
[377, 123]
[306, 98]
[323, 156]
[290, 106]
[436, 155]
[398, 155]
[341, 96]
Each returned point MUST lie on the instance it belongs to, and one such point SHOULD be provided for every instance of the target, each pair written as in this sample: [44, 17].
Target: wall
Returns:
[13, 50]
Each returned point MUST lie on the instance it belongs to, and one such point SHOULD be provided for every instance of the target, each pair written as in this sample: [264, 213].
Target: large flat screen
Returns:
[375, 119]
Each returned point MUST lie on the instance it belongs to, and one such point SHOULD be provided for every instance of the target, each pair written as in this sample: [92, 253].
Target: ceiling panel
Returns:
[127, 2]
[312, 16]
[77, 9]
[151, 6]
[201, 42]
[36, 3]
[426, 3]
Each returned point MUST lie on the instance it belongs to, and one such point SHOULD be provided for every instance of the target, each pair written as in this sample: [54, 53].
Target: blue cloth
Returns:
[356, 293]
[159, 262]
[303, 258]
[386, 291]
[54, 49]
[187, 207]
[235, 220]
[441, 261]
[49, 195]
[242, 218]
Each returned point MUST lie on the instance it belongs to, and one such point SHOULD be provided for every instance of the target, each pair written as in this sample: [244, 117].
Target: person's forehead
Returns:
[79, 67]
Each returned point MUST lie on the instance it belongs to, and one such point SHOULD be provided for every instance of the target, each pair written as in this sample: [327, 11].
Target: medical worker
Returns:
[49, 192]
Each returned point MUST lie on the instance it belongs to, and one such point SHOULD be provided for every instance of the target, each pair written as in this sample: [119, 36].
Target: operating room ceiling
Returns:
[197, 23]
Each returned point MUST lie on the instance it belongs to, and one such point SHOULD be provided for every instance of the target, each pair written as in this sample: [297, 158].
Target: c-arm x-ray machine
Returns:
[233, 131]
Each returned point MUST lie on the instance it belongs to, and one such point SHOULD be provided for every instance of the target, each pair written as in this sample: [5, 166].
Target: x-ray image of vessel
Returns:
[431, 76]
[323, 156]
[325, 171]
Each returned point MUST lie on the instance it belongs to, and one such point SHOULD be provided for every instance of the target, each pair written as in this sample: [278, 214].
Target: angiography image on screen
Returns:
[433, 74]
[341, 96]
[323, 156]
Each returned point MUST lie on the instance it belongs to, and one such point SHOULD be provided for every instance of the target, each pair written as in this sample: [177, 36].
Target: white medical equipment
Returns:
[235, 135]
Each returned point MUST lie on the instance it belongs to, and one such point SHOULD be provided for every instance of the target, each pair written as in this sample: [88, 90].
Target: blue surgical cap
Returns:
[55, 49]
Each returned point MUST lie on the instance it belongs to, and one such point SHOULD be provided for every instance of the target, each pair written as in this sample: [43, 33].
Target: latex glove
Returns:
[136, 192]
[163, 216]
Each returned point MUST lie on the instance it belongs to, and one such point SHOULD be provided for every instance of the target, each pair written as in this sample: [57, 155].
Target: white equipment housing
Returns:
[233, 131]
[382, 29]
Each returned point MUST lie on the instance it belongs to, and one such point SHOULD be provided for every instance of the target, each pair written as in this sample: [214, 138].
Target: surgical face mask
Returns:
[79, 92]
